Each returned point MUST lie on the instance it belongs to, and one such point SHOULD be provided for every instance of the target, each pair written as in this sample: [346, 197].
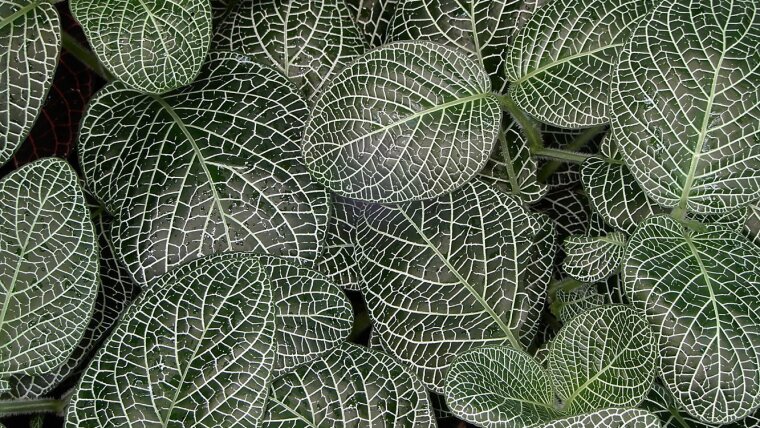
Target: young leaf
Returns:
[604, 357]
[442, 276]
[685, 110]
[196, 349]
[152, 47]
[561, 61]
[48, 267]
[407, 121]
[569, 304]
[308, 41]
[372, 18]
[213, 167]
[31, 40]
[661, 402]
[700, 291]
[607, 418]
[569, 210]
[498, 386]
[338, 258]
[593, 258]
[350, 386]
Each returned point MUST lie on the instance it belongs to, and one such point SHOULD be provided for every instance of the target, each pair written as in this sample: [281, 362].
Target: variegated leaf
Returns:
[593, 258]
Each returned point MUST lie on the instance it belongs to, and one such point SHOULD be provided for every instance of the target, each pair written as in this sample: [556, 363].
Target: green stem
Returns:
[566, 284]
[84, 55]
[560, 155]
[26, 407]
[528, 125]
[580, 142]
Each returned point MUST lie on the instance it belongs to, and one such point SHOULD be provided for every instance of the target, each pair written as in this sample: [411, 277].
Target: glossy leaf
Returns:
[407, 121]
[338, 258]
[685, 110]
[700, 291]
[593, 258]
[151, 46]
[182, 185]
[196, 349]
[48, 267]
[607, 418]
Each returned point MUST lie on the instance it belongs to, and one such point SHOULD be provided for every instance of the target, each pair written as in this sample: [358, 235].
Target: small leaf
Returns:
[372, 18]
[561, 61]
[752, 223]
[152, 47]
[661, 403]
[196, 349]
[700, 291]
[604, 357]
[31, 41]
[338, 258]
[593, 258]
[569, 210]
[685, 110]
[48, 267]
[581, 299]
[607, 418]
[407, 121]
[498, 386]
[734, 220]
[350, 386]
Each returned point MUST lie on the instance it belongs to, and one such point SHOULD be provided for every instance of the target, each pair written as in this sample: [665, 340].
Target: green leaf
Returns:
[607, 418]
[569, 210]
[536, 275]
[48, 267]
[313, 314]
[593, 258]
[307, 41]
[752, 223]
[561, 61]
[214, 167]
[350, 386]
[511, 168]
[114, 294]
[481, 27]
[151, 46]
[498, 386]
[661, 403]
[685, 110]
[372, 18]
[443, 275]
[31, 41]
[614, 193]
[700, 291]
[604, 357]
[407, 121]
[338, 258]
[734, 220]
[569, 304]
[196, 349]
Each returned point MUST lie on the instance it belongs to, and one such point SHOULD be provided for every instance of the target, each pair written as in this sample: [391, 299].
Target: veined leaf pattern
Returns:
[752, 223]
[607, 418]
[700, 291]
[338, 258]
[685, 111]
[407, 121]
[372, 18]
[593, 258]
[214, 167]
[569, 304]
[536, 275]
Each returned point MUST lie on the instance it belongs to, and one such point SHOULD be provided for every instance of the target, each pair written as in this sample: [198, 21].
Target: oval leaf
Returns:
[48, 267]
[351, 386]
[214, 167]
[196, 349]
[568, 304]
[593, 258]
[700, 291]
[685, 110]
[151, 46]
[406, 121]
[607, 418]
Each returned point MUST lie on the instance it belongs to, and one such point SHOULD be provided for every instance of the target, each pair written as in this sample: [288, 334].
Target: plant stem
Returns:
[560, 155]
[26, 407]
[527, 124]
[580, 142]
[84, 55]
[566, 284]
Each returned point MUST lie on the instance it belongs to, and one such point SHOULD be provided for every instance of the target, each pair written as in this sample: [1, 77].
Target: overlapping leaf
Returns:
[685, 110]
[338, 258]
[197, 349]
[30, 39]
[214, 167]
[48, 267]
[752, 223]
[443, 275]
[151, 46]
[537, 274]
[700, 291]
[569, 304]
[561, 61]
[308, 41]
[352, 386]
[406, 121]
[372, 18]
[569, 210]
[607, 418]
[593, 258]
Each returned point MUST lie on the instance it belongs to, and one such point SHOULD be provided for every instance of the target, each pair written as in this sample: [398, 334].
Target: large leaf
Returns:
[607, 418]
[443, 275]
[352, 386]
[48, 267]
[152, 46]
[561, 61]
[406, 121]
[30, 39]
[481, 27]
[685, 112]
[593, 258]
[372, 18]
[338, 258]
[214, 167]
[700, 290]
[498, 386]
[309, 41]
[196, 349]
[604, 357]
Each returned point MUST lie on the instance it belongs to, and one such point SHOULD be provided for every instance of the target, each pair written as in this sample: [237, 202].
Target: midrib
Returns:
[564, 60]
[15, 15]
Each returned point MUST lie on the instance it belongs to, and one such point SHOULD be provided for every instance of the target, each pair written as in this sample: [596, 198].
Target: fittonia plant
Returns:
[291, 213]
